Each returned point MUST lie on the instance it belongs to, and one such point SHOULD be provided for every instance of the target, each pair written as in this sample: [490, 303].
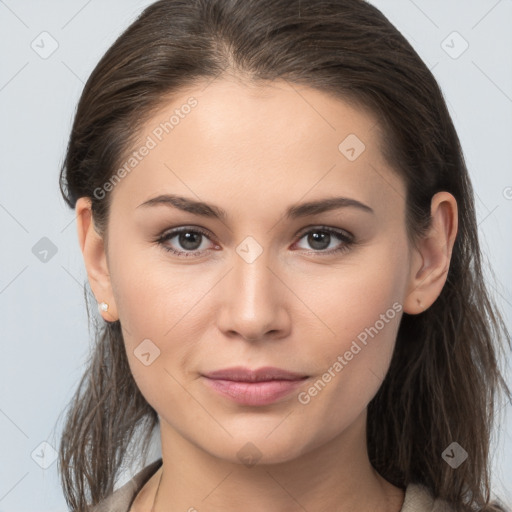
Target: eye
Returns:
[191, 241]
[320, 239]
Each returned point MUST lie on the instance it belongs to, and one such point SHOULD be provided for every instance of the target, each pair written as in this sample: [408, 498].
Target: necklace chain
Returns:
[160, 481]
[157, 489]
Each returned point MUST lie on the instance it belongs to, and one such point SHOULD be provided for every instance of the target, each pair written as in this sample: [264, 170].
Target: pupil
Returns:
[320, 238]
[187, 238]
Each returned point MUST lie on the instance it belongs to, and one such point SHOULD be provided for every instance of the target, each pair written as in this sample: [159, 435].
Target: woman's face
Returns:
[275, 280]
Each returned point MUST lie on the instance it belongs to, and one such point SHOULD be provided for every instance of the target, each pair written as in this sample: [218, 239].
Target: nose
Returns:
[253, 304]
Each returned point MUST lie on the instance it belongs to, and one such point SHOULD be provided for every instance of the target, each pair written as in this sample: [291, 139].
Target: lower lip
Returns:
[254, 393]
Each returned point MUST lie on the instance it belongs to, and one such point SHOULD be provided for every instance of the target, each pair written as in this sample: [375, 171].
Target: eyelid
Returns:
[320, 227]
[172, 232]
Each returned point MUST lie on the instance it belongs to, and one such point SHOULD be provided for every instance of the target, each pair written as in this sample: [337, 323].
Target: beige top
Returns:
[417, 497]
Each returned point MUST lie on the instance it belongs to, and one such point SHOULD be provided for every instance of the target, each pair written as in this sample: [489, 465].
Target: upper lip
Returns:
[242, 374]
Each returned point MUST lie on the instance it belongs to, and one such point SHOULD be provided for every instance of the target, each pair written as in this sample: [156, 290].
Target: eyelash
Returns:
[347, 239]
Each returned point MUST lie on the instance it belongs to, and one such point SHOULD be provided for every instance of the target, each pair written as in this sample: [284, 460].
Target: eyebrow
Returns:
[293, 212]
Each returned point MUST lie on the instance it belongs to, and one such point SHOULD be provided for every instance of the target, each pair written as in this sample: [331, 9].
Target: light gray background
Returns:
[44, 333]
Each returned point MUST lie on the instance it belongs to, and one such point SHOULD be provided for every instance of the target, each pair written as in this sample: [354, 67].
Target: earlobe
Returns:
[431, 258]
[95, 260]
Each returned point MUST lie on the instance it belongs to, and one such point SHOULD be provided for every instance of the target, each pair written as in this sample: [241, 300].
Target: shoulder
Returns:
[121, 499]
[418, 498]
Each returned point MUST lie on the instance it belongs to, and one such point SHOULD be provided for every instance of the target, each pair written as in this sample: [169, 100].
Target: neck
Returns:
[335, 476]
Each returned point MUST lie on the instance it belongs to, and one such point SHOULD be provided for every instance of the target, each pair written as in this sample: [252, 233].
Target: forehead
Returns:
[259, 142]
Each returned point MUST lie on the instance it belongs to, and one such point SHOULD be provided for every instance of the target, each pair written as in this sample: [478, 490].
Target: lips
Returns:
[259, 387]
[242, 374]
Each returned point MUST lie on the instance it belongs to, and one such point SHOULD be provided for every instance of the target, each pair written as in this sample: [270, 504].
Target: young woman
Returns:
[279, 229]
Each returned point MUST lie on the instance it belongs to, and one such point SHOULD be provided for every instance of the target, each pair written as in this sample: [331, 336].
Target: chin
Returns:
[261, 449]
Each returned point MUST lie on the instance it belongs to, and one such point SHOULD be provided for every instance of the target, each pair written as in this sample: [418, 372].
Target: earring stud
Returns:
[103, 306]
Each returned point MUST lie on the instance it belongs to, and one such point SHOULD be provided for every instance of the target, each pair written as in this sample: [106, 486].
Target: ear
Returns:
[95, 258]
[431, 258]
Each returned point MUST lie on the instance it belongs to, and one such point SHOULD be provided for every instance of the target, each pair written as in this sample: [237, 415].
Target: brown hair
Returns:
[444, 375]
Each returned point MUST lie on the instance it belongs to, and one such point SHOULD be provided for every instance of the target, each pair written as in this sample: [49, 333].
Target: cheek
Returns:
[360, 308]
[152, 295]
[354, 295]
[162, 314]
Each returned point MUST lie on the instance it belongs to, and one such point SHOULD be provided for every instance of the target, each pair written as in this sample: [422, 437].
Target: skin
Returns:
[292, 307]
